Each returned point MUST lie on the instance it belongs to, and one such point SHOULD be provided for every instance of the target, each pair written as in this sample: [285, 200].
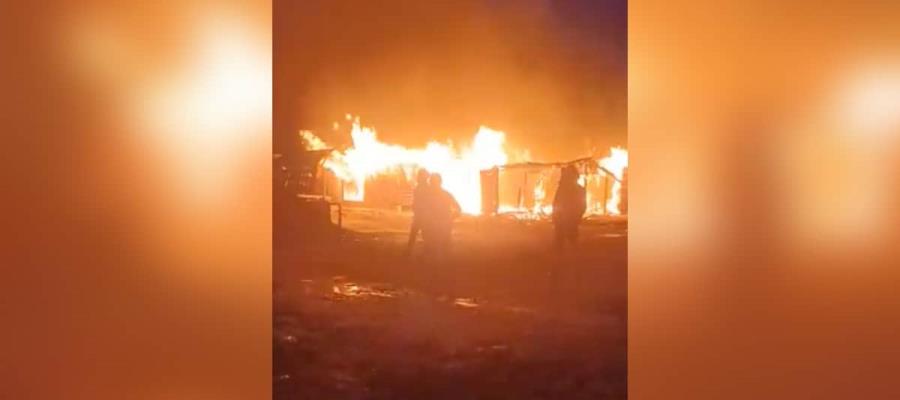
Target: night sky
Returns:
[552, 74]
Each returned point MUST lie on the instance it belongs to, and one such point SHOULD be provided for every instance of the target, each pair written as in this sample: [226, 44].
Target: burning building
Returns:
[483, 177]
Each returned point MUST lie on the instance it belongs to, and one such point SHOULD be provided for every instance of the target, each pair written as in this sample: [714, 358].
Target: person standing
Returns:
[442, 209]
[569, 205]
[419, 206]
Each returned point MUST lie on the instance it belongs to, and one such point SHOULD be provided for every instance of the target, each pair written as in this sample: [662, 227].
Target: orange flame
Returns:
[615, 163]
[460, 169]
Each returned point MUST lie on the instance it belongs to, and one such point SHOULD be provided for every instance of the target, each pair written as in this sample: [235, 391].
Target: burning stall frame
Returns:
[299, 178]
[490, 182]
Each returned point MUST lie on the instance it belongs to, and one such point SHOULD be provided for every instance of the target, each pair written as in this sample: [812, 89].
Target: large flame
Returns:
[459, 168]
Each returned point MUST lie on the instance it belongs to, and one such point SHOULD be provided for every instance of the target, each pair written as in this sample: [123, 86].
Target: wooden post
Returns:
[523, 189]
[490, 190]
[605, 192]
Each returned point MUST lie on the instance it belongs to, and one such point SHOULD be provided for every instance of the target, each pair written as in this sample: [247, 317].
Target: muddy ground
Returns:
[356, 319]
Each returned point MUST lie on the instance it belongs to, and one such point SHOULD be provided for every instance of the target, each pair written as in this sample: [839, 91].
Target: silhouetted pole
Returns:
[490, 191]
[605, 192]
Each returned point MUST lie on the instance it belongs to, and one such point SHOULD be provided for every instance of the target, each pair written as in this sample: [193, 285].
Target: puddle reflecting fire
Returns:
[352, 289]
[467, 303]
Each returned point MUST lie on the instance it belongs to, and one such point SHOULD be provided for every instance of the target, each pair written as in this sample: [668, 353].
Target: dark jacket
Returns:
[569, 203]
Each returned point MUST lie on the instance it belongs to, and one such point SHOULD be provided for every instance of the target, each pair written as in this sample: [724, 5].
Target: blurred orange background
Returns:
[764, 142]
[140, 231]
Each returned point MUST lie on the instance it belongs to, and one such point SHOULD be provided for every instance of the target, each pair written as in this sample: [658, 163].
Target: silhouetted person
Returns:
[440, 210]
[568, 208]
[419, 208]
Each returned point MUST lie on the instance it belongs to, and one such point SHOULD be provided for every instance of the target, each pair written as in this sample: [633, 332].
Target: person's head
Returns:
[568, 174]
[422, 177]
[435, 180]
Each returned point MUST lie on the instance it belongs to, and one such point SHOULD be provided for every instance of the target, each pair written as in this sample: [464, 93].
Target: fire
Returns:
[312, 141]
[459, 168]
[540, 198]
[616, 164]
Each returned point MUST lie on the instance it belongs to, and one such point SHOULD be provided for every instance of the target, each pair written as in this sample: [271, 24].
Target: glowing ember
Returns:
[460, 168]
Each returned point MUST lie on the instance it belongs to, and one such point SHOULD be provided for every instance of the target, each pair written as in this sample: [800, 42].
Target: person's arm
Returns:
[455, 205]
[582, 201]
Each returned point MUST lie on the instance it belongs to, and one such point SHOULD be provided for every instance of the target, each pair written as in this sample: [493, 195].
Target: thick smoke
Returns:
[552, 76]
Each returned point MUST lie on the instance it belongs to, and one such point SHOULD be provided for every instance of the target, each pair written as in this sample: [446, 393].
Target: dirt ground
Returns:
[357, 319]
